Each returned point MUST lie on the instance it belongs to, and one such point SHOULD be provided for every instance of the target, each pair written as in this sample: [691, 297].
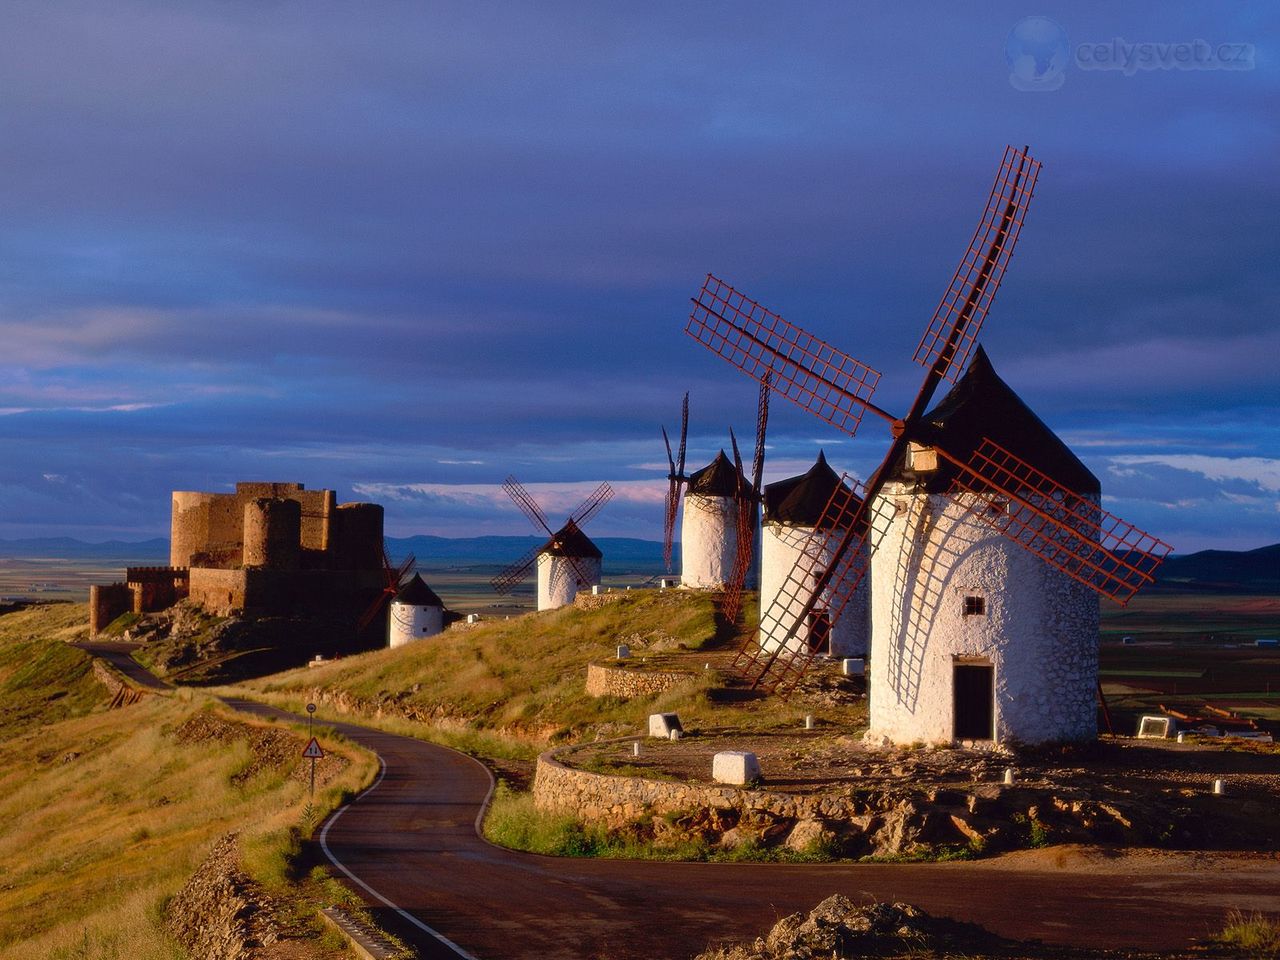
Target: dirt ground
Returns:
[808, 761]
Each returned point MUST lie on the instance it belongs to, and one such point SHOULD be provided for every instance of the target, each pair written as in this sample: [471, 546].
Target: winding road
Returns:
[410, 845]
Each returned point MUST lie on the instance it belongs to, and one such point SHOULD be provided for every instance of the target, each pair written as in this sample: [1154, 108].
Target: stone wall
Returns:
[156, 588]
[615, 801]
[225, 593]
[594, 601]
[106, 602]
[621, 682]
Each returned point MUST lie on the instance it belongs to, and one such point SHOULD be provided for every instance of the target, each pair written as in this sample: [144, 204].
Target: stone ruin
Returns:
[268, 549]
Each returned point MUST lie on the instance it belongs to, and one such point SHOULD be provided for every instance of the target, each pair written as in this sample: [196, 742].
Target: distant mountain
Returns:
[1224, 571]
[68, 548]
[620, 553]
[1209, 571]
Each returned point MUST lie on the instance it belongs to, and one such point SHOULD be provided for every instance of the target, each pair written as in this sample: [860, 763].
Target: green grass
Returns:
[103, 815]
[512, 821]
[1254, 934]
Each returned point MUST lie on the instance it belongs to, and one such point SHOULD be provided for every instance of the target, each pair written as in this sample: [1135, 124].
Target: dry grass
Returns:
[103, 815]
[508, 689]
[522, 678]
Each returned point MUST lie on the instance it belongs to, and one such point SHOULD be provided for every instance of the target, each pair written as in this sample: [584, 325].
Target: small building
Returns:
[975, 639]
[562, 560]
[792, 509]
[416, 612]
[709, 527]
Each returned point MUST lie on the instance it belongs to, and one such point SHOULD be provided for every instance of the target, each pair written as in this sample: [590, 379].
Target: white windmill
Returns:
[933, 548]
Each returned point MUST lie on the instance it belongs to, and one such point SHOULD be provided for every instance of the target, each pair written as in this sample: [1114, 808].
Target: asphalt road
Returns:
[411, 841]
[119, 656]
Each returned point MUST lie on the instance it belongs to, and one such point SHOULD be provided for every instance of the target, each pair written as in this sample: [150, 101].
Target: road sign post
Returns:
[312, 751]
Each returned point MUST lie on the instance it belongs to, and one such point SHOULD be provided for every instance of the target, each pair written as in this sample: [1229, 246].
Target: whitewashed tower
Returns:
[416, 613]
[709, 528]
[792, 509]
[562, 561]
[973, 637]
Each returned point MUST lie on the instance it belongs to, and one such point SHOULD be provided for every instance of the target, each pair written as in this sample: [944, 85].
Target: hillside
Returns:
[1226, 571]
[105, 813]
[509, 688]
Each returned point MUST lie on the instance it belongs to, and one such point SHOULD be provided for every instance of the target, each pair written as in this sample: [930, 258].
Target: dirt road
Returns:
[411, 840]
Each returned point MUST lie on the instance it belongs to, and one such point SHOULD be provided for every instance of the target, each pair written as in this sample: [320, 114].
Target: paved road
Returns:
[411, 840]
[118, 655]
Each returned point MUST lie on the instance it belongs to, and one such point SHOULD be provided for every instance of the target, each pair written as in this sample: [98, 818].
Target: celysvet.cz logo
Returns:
[1039, 53]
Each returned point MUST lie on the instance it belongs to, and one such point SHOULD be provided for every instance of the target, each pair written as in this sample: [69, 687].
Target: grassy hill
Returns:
[508, 688]
[105, 813]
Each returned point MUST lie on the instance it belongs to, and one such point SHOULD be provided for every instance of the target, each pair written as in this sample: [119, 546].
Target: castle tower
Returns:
[272, 533]
[559, 560]
[974, 638]
[356, 542]
[792, 509]
[416, 612]
[709, 529]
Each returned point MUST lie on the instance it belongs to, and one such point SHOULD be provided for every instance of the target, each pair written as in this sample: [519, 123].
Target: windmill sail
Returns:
[955, 325]
[807, 371]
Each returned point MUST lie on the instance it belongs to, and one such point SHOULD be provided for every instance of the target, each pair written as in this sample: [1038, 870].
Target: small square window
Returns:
[975, 606]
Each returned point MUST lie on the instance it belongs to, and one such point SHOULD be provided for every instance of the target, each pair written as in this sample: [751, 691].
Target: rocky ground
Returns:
[186, 644]
[838, 929]
[946, 802]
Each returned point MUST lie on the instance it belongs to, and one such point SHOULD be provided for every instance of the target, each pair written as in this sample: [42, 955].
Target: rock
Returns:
[838, 929]
[221, 914]
[809, 836]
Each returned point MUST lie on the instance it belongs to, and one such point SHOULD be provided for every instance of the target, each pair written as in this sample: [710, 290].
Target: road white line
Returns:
[324, 845]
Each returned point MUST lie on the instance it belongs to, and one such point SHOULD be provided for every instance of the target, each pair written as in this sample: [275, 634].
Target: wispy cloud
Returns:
[1262, 472]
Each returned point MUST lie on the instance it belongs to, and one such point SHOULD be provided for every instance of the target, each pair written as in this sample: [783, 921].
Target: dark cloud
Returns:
[412, 243]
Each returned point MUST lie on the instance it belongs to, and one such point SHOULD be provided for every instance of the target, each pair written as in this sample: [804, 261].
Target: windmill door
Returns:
[973, 692]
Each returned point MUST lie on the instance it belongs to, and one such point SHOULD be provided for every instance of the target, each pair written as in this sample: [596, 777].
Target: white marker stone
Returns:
[662, 724]
[738, 767]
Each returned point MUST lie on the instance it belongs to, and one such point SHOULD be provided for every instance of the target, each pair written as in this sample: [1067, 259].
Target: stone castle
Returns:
[268, 549]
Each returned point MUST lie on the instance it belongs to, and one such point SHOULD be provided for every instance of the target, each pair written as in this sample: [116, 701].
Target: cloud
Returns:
[1259, 471]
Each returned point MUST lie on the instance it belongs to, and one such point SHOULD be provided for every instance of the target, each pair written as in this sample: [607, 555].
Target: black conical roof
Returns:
[416, 593]
[719, 478]
[799, 501]
[570, 541]
[982, 405]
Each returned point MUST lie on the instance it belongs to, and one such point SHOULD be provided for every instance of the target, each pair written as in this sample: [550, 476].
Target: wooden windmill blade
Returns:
[394, 577]
[505, 581]
[1067, 531]
[675, 481]
[824, 578]
[592, 505]
[955, 325]
[807, 371]
[528, 506]
[748, 504]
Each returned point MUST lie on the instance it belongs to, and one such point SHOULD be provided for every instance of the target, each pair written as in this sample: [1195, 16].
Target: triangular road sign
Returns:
[313, 751]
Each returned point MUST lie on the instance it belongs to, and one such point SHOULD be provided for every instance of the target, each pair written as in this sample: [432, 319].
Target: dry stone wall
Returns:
[616, 801]
[621, 682]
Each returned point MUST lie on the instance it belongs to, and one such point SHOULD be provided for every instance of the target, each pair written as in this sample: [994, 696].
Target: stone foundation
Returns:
[629, 684]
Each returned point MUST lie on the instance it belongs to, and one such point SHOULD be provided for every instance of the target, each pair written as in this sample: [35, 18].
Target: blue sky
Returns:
[403, 249]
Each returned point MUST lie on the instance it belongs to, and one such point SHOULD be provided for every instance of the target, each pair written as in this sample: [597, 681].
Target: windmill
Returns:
[1067, 531]
[394, 576]
[568, 561]
[748, 502]
[676, 480]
